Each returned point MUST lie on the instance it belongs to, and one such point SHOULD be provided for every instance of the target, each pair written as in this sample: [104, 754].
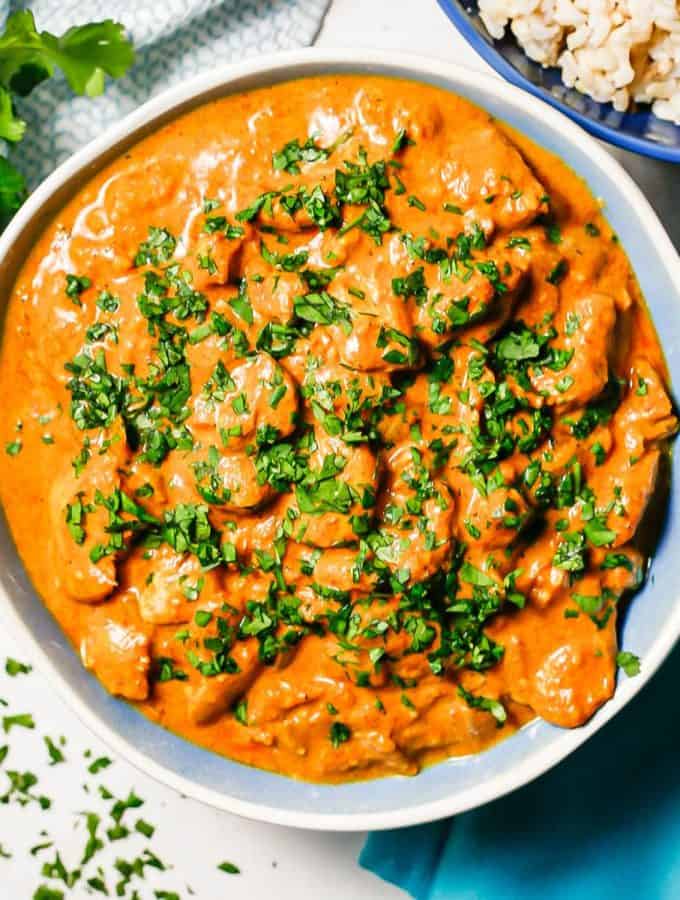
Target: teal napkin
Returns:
[603, 825]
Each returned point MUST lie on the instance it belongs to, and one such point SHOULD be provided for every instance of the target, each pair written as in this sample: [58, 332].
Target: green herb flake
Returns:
[629, 662]
[339, 734]
[558, 273]
[98, 765]
[13, 667]
[144, 828]
[488, 704]
[55, 754]
[229, 868]
[23, 720]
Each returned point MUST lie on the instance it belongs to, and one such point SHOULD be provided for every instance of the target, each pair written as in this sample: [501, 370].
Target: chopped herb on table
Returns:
[110, 826]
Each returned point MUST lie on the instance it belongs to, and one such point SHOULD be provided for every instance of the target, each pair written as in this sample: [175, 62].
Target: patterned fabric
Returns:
[174, 39]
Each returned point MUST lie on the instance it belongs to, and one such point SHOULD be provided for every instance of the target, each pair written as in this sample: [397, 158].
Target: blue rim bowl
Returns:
[639, 130]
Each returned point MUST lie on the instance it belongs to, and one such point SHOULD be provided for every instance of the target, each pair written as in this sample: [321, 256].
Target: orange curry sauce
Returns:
[332, 410]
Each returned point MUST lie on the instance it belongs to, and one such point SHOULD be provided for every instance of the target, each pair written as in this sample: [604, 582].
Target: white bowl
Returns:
[650, 628]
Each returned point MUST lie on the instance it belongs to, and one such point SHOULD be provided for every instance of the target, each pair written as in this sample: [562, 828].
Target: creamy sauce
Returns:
[335, 474]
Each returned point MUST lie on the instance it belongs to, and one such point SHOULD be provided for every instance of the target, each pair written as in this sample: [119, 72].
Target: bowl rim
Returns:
[461, 19]
[274, 68]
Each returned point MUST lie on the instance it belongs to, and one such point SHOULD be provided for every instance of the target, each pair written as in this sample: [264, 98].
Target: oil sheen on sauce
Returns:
[332, 411]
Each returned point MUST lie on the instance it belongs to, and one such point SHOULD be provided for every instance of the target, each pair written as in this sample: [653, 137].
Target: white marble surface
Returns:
[192, 838]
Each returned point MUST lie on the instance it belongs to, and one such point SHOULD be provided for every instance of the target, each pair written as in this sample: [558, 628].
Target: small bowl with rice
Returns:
[611, 65]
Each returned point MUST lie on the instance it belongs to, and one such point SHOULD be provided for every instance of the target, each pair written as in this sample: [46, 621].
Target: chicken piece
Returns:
[374, 117]
[624, 573]
[646, 412]
[211, 697]
[227, 481]
[238, 587]
[216, 257]
[119, 655]
[337, 568]
[416, 514]
[422, 123]
[461, 302]
[365, 750]
[585, 376]
[273, 297]
[278, 215]
[280, 691]
[125, 330]
[238, 480]
[539, 578]
[450, 402]
[356, 398]
[448, 722]
[380, 339]
[258, 531]
[480, 164]
[168, 585]
[560, 694]
[563, 667]
[79, 528]
[370, 329]
[141, 194]
[256, 393]
[489, 522]
[147, 485]
[354, 472]
[213, 350]
[334, 248]
[624, 488]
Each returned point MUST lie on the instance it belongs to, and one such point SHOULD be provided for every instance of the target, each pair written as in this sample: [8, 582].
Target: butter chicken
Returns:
[331, 412]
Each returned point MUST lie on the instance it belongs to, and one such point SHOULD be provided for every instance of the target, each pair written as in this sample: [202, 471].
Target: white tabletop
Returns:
[192, 838]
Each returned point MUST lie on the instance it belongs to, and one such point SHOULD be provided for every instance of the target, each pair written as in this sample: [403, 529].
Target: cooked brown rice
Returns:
[613, 50]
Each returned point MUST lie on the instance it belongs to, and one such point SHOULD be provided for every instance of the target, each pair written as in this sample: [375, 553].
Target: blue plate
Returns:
[639, 130]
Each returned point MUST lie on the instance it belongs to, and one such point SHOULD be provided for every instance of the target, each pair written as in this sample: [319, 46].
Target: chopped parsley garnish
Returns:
[158, 248]
[293, 153]
[22, 720]
[13, 667]
[321, 308]
[287, 262]
[229, 868]
[488, 704]
[559, 272]
[629, 662]
[339, 734]
[75, 286]
[220, 225]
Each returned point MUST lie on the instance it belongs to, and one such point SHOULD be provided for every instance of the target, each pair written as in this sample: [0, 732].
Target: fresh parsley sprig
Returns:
[84, 53]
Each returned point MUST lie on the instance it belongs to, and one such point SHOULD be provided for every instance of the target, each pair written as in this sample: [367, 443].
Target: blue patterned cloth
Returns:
[174, 39]
[603, 824]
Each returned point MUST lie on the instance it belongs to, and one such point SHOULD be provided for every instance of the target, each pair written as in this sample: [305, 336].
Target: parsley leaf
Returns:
[13, 667]
[629, 662]
[293, 153]
[12, 183]
[495, 707]
[339, 734]
[229, 868]
[85, 54]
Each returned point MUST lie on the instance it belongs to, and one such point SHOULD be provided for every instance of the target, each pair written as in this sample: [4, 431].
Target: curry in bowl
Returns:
[332, 411]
